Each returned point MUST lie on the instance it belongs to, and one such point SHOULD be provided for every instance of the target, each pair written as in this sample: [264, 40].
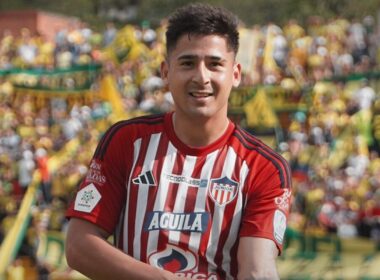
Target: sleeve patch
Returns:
[87, 198]
[279, 226]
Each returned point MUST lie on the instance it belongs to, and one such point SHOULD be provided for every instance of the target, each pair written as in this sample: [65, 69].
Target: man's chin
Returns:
[202, 114]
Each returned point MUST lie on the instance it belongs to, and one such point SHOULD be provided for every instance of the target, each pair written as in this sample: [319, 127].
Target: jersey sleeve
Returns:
[268, 198]
[101, 195]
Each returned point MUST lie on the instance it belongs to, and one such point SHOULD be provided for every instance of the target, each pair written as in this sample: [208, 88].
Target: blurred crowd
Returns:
[318, 50]
[331, 147]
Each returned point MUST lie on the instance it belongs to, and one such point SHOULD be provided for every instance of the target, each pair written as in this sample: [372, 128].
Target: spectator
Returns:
[109, 34]
[365, 95]
[26, 166]
[43, 168]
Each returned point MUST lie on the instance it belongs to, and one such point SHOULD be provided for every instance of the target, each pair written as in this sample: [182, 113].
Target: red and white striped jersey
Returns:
[180, 208]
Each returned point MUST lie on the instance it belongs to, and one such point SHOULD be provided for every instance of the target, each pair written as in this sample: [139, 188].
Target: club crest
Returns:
[223, 190]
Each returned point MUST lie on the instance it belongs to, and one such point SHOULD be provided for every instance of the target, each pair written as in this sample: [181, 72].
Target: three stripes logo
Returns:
[145, 179]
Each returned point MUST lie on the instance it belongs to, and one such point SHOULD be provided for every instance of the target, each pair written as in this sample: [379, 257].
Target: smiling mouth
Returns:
[200, 94]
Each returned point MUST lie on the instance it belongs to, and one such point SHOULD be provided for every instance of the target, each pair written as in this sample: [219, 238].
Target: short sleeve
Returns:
[101, 196]
[268, 199]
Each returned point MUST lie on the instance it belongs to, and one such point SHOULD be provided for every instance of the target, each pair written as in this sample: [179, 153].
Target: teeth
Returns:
[200, 94]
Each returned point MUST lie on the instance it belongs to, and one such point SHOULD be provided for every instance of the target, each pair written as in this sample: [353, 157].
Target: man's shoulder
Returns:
[256, 153]
[138, 123]
[134, 128]
[250, 141]
[141, 120]
[253, 147]
[125, 132]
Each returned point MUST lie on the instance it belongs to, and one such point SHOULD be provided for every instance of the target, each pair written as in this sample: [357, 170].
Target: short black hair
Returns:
[203, 19]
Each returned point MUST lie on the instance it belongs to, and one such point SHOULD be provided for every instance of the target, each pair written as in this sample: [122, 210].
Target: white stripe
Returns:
[212, 246]
[235, 224]
[162, 193]
[143, 193]
[200, 203]
[180, 201]
[136, 151]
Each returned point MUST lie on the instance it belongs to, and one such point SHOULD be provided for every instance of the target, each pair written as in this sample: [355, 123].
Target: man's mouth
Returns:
[200, 94]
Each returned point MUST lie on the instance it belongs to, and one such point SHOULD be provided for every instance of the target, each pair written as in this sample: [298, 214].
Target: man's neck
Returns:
[199, 133]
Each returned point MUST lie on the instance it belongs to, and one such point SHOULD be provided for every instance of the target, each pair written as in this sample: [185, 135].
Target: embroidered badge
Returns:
[87, 198]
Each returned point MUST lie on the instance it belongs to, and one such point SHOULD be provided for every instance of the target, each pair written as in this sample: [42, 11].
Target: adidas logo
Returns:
[145, 178]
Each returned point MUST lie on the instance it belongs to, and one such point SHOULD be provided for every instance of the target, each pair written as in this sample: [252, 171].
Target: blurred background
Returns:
[311, 85]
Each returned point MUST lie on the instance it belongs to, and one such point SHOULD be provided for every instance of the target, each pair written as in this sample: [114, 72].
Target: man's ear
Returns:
[164, 71]
[237, 74]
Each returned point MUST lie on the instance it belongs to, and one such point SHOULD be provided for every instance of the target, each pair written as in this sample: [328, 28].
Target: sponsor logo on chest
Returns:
[173, 258]
[179, 261]
[158, 220]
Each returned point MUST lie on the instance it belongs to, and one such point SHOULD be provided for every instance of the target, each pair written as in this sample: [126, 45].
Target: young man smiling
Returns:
[187, 194]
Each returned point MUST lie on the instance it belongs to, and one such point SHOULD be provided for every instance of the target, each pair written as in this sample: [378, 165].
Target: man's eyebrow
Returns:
[191, 56]
[216, 58]
[186, 57]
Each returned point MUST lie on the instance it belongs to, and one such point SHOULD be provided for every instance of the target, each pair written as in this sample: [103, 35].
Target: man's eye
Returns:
[187, 63]
[215, 64]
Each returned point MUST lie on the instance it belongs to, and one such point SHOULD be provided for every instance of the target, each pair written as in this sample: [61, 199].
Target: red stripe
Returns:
[229, 196]
[222, 195]
[215, 195]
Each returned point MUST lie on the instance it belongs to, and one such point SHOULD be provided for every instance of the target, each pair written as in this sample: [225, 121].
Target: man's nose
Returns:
[202, 74]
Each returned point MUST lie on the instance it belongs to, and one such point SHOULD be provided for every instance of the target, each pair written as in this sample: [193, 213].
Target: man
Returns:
[188, 194]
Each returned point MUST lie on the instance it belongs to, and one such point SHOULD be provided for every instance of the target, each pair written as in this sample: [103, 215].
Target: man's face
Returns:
[200, 72]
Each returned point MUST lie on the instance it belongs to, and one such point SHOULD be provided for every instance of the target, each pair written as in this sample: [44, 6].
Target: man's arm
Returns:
[257, 259]
[88, 252]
